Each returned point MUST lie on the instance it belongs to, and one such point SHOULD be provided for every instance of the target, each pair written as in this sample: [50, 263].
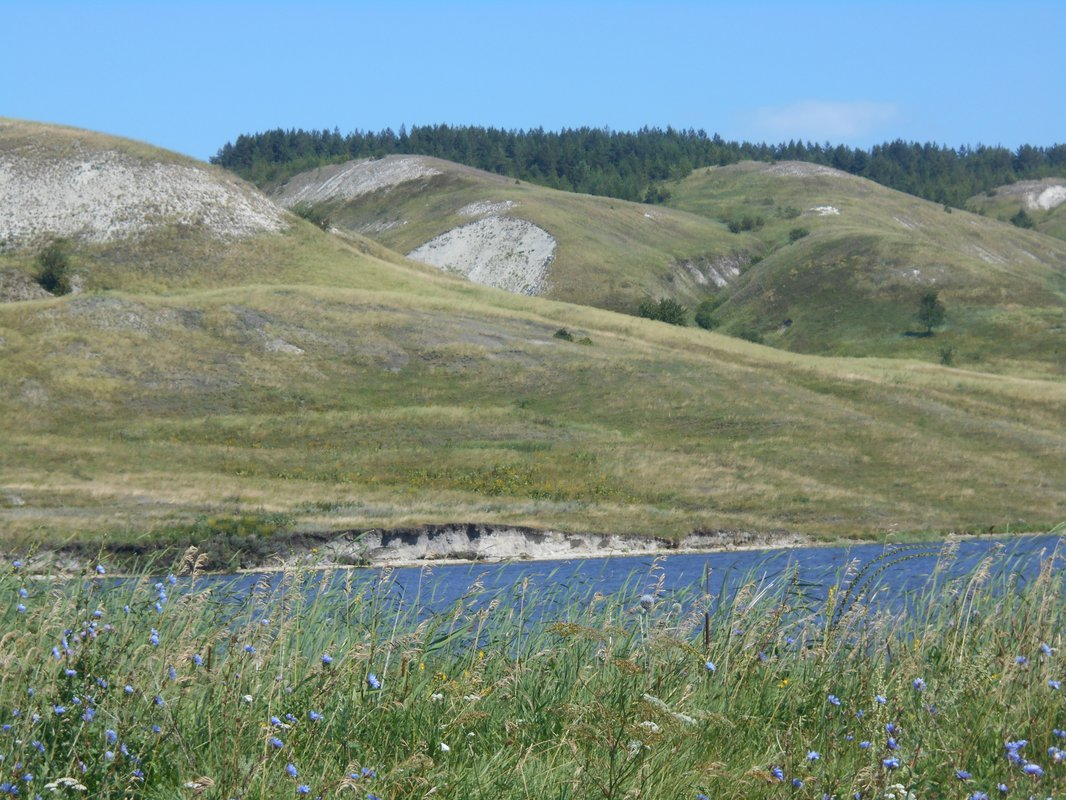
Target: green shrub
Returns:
[705, 311]
[796, 234]
[664, 310]
[1022, 219]
[316, 215]
[564, 334]
[54, 263]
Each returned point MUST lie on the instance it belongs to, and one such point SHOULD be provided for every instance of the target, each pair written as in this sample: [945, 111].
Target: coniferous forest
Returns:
[632, 166]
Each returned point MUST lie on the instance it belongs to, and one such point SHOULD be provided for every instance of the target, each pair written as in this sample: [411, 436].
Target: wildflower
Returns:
[1056, 685]
[892, 744]
[918, 684]
[171, 580]
[1045, 649]
[250, 649]
[314, 716]
[247, 698]
[197, 660]
[291, 718]
[172, 673]
[327, 659]
[59, 710]
[1033, 769]
[865, 745]
[813, 755]
[89, 715]
[153, 638]
[367, 773]
[881, 699]
[291, 770]
[979, 796]
[1002, 788]
[1055, 754]
[647, 601]
[303, 788]
[20, 608]
[276, 743]
[37, 746]
[109, 755]
[110, 736]
[1021, 661]
[962, 775]
[1058, 732]
[70, 673]
[127, 689]
[159, 701]
[890, 763]
[797, 783]
[701, 796]
[100, 569]
[778, 773]
[834, 700]
[372, 681]
[156, 729]
[23, 593]
[444, 748]
[16, 564]
[710, 667]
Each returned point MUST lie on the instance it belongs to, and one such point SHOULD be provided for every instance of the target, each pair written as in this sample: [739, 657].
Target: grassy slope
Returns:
[1005, 201]
[850, 287]
[161, 396]
[610, 253]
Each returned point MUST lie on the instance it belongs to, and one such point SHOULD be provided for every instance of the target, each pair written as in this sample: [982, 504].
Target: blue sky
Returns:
[192, 76]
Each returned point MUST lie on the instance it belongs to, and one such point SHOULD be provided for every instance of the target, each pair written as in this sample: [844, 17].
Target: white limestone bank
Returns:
[482, 542]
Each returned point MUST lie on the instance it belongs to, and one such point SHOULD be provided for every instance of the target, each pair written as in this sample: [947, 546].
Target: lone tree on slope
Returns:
[930, 311]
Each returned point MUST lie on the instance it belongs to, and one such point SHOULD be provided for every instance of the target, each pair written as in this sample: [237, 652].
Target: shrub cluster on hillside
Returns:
[629, 165]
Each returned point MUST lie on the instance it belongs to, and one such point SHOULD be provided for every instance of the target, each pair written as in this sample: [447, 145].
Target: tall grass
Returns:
[330, 686]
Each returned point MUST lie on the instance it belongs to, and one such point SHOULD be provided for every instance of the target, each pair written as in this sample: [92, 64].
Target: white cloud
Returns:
[820, 120]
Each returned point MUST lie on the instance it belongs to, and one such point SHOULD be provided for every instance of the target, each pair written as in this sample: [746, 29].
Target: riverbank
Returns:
[453, 543]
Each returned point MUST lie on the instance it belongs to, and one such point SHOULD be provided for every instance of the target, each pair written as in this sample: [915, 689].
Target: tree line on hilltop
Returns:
[633, 165]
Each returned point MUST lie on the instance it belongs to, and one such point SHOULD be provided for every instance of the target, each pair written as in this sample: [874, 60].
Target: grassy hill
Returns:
[295, 381]
[844, 262]
[1042, 201]
[609, 253]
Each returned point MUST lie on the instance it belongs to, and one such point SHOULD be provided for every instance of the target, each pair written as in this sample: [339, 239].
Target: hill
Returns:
[844, 262]
[1040, 204]
[520, 236]
[293, 383]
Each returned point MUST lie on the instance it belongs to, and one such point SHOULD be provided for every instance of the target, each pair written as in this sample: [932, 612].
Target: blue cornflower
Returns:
[1056, 685]
[127, 689]
[962, 775]
[276, 743]
[171, 580]
[918, 684]
[834, 700]
[797, 783]
[314, 716]
[89, 715]
[813, 755]
[367, 773]
[291, 770]
[880, 699]
[171, 672]
[978, 796]
[778, 773]
[156, 729]
[1002, 788]
[59, 710]
[138, 774]
[291, 718]
[1045, 649]
[16, 564]
[153, 638]
[159, 700]
[70, 673]
[20, 608]
[100, 569]
[372, 681]
[701, 796]
[275, 722]
[109, 755]
[197, 660]
[111, 736]
[248, 648]
[890, 763]
[892, 744]
[327, 659]
[303, 789]
[1033, 769]
[1021, 661]
[1058, 732]
[865, 745]
[710, 667]
[37, 746]
[23, 593]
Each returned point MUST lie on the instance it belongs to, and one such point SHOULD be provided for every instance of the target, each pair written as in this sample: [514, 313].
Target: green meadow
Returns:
[156, 688]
